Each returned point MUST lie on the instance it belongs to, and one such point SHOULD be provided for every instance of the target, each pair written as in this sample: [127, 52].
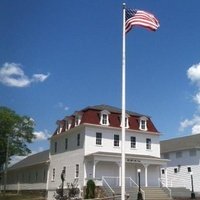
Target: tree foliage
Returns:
[16, 129]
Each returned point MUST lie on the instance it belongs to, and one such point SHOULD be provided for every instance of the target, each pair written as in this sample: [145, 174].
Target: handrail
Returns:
[143, 192]
[168, 189]
[104, 180]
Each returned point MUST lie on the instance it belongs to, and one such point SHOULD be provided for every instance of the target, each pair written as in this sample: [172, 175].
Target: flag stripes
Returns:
[140, 18]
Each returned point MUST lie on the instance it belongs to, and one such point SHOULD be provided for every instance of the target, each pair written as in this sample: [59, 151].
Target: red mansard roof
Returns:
[91, 115]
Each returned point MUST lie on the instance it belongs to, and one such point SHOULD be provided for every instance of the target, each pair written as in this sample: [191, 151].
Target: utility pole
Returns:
[6, 166]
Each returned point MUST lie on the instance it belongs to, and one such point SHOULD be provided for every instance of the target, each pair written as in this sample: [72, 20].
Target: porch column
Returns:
[146, 174]
[120, 172]
[94, 169]
[166, 178]
[84, 171]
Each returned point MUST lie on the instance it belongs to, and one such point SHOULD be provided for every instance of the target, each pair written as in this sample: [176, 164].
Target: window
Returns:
[66, 143]
[193, 152]
[189, 169]
[175, 170]
[143, 123]
[104, 117]
[44, 175]
[53, 174]
[78, 140]
[116, 140]
[126, 121]
[133, 142]
[166, 155]
[148, 143]
[77, 120]
[55, 147]
[60, 126]
[29, 177]
[178, 154]
[36, 176]
[68, 123]
[99, 138]
[162, 171]
[77, 171]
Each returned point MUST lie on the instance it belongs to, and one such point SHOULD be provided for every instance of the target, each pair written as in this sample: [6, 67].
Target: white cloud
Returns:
[193, 123]
[193, 73]
[41, 135]
[62, 106]
[39, 77]
[196, 129]
[11, 74]
[196, 98]
[16, 159]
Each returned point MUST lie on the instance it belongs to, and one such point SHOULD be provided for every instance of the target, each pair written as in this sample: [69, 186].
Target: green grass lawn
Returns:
[19, 197]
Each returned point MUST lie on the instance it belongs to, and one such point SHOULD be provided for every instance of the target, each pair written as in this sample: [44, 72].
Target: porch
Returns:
[106, 167]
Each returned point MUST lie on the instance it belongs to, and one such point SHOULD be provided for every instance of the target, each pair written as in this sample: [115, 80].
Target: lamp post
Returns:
[192, 193]
[139, 196]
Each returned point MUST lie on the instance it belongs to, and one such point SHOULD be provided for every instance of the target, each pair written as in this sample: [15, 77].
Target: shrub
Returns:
[90, 190]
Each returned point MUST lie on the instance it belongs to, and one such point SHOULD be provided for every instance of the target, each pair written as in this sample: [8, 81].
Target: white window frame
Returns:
[78, 142]
[143, 123]
[55, 147]
[66, 143]
[68, 124]
[133, 143]
[148, 144]
[126, 121]
[116, 142]
[104, 118]
[53, 174]
[78, 117]
[77, 171]
[98, 139]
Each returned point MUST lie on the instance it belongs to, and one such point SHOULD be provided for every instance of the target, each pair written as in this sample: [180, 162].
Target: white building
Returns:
[184, 156]
[87, 145]
[29, 174]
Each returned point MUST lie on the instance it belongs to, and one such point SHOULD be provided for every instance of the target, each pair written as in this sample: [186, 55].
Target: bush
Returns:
[90, 190]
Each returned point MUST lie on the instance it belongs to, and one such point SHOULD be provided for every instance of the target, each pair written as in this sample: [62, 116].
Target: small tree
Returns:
[90, 190]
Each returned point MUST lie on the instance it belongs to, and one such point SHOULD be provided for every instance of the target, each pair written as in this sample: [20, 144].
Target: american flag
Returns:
[140, 18]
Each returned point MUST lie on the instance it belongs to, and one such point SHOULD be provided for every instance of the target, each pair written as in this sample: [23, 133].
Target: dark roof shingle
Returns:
[181, 143]
[32, 160]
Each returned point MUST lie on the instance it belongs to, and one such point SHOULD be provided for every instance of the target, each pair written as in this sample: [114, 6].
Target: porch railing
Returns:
[104, 181]
[167, 189]
[113, 182]
[143, 192]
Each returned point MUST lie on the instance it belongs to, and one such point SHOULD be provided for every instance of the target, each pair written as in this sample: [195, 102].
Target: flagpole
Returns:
[123, 105]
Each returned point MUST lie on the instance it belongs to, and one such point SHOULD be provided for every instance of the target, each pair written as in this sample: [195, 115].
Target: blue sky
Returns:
[57, 57]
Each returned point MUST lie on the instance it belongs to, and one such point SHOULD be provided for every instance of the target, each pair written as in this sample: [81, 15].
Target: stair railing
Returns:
[104, 181]
[168, 190]
[143, 192]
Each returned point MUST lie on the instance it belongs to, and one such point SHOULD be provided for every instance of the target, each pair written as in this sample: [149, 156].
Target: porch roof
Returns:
[130, 158]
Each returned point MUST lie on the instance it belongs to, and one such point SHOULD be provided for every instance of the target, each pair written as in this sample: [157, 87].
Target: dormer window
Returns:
[78, 117]
[126, 121]
[60, 126]
[143, 123]
[68, 123]
[104, 119]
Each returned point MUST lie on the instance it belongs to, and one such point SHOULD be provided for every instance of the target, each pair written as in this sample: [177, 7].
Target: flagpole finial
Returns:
[124, 5]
